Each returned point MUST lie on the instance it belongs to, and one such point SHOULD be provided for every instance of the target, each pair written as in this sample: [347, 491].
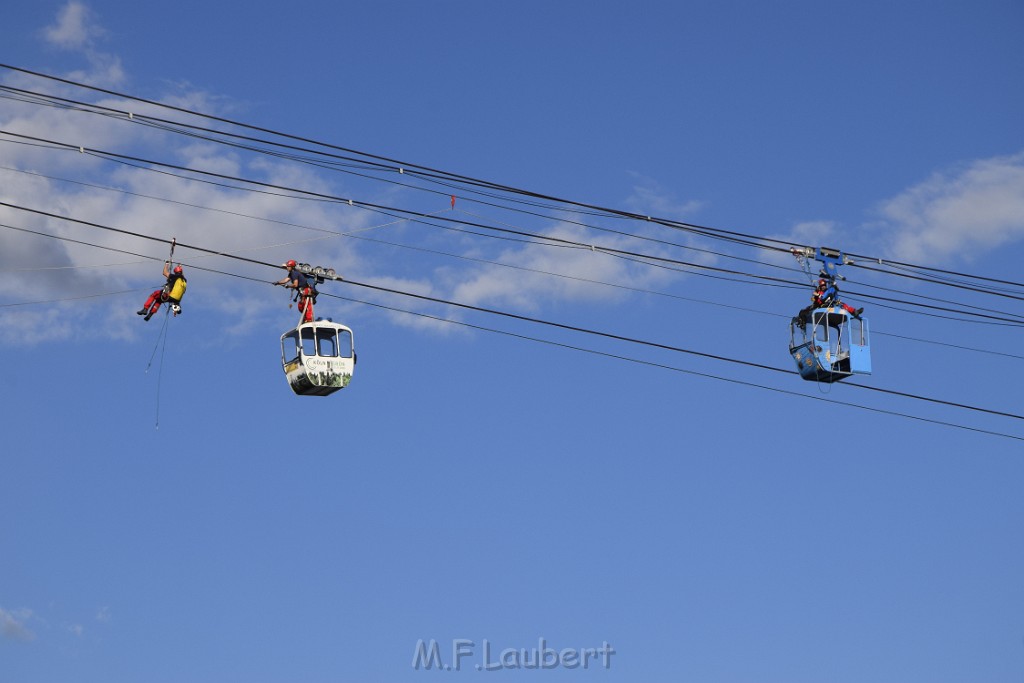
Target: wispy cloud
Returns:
[37, 268]
[976, 207]
[526, 281]
[528, 286]
[12, 624]
[651, 198]
[218, 217]
[969, 210]
[74, 29]
[810, 233]
[958, 214]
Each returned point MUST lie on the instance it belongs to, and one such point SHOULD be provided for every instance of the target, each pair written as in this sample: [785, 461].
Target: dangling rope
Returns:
[160, 374]
[161, 343]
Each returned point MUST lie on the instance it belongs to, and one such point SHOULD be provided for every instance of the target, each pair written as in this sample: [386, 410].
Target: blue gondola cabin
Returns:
[831, 346]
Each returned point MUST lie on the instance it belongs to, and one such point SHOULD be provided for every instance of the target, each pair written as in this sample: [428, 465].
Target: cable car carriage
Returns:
[829, 342]
[318, 357]
[830, 346]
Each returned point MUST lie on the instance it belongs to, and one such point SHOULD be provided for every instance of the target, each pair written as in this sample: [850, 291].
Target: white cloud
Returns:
[37, 268]
[810, 233]
[12, 624]
[650, 198]
[957, 214]
[217, 217]
[402, 303]
[77, 30]
[74, 29]
[245, 307]
[974, 208]
[979, 206]
[528, 284]
[225, 223]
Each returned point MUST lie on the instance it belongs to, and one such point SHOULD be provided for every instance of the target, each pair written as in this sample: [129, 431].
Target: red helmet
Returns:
[290, 264]
[822, 283]
[177, 270]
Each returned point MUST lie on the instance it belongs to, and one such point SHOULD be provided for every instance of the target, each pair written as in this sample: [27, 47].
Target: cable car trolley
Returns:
[829, 340]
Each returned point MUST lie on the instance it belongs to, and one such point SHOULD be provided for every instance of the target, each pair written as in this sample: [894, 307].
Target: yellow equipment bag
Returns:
[178, 290]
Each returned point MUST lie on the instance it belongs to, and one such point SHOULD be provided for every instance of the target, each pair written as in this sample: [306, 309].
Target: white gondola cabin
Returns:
[318, 357]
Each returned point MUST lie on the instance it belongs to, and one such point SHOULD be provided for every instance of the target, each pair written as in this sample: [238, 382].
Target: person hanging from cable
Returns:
[170, 293]
[305, 291]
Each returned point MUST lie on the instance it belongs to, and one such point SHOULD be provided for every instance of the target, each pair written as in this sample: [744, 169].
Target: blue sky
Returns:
[198, 522]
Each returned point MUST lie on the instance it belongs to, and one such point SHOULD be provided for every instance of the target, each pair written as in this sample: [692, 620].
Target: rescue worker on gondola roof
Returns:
[298, 281]
[826, 294]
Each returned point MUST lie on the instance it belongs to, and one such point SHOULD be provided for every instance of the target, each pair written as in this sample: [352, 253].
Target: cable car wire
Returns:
[935, 281]
[516, 316]
[586, 350]
[667, 347]
[507, 265]
[932, 269]
[948, 278]
[130, 162]
[664, 366]
[731, 256]
[351, 234]
[68, 298]
[401, 166]
[762, 279]
[886, 272]
[420, 217]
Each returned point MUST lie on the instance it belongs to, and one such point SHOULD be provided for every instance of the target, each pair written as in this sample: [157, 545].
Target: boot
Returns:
[148, 316]
[141, 311]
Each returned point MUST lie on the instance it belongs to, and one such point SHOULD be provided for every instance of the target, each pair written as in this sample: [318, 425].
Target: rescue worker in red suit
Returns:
[830, 297]
[825, 295]
[171, 292]
[300, 283]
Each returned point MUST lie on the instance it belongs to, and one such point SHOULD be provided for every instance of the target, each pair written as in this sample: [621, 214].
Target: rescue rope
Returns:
[162, 337]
